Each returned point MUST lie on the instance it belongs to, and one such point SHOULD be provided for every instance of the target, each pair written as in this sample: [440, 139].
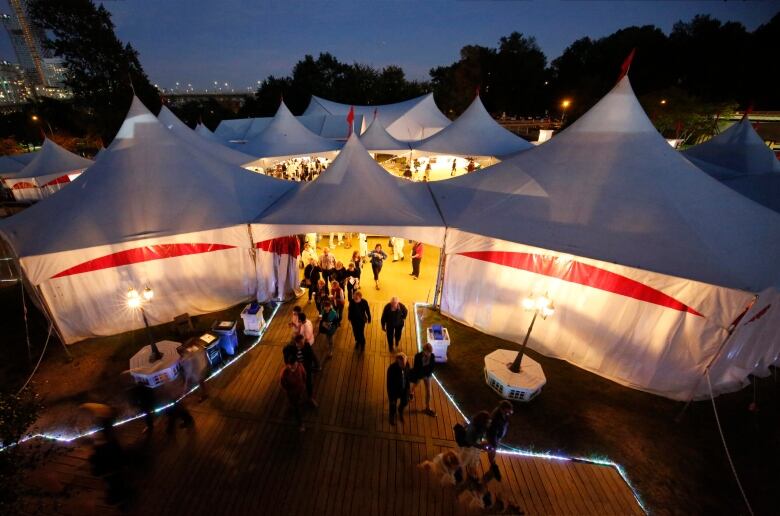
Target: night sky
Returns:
[243, 41]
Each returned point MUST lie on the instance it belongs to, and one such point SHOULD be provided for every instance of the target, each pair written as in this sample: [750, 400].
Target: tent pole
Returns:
[440, 274]
[731, 329]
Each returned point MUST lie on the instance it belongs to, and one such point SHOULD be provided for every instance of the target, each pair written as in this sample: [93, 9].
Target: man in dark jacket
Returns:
[424, 363]
[359, 314]
[499, 426]
[398, 387]
[311, 275]
[393, 318]
[304, 354]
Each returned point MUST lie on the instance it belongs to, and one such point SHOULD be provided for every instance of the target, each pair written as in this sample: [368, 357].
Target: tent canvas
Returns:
[204, 132]
[377, 202]
[189, 137]
[473, 134]
[232, 130]
[152, 210]
[377, 139]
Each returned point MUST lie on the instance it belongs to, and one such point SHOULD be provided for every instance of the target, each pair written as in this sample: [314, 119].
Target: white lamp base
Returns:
[522, 386]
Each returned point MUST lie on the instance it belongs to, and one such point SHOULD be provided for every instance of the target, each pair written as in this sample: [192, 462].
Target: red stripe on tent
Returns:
[283, 245]
[583, 274]
[760, 314]
[142, 254]
[22, 185]
[59, 180]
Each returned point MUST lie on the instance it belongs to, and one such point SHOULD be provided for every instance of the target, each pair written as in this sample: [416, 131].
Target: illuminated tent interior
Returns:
[376, 139]
[648, 259]
[52, 168]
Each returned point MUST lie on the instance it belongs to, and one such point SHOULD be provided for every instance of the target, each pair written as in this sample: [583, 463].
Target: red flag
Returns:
[350, 119]
[748, 111]
[626, 64]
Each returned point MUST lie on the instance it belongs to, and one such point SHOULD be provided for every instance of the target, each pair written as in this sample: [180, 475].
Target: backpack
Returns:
[460, 435]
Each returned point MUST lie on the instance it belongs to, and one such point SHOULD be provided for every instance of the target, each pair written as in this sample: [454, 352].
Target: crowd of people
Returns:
[298, 169]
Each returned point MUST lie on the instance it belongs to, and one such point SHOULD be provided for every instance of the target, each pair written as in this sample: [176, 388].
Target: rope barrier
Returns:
[726, 448]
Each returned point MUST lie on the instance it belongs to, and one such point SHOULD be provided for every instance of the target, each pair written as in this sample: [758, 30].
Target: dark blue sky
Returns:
[243, 41]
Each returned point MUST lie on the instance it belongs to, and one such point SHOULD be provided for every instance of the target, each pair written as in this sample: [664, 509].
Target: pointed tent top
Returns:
[626, 64]
[206, 133]
[737, 151]
[51, 159]
[147, 184]
[217, 150]
[617, 192]
[377, 200]
[474, 133]
[377, 139]
[285, 136]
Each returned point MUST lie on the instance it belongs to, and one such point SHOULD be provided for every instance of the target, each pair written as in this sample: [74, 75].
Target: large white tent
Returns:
[204, 132]
[233, 130]
[648, 260]
[15, 162]
[410, 120]
[151, 211]
[377, 139]
[52, 168]
[219, 151]
[473, 134]
[354, 194]
[286, 137]
[742, 161]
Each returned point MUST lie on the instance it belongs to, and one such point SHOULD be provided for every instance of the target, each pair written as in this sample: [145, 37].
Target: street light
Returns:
[564, 106]
[540, 305]
[36, 119]
[135, 301]
[663, 102]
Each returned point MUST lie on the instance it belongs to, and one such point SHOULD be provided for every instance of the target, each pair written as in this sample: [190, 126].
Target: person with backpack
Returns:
[329, 323]
[393, 318]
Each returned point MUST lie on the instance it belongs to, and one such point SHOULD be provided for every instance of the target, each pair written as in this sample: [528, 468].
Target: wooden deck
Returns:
[247, 456]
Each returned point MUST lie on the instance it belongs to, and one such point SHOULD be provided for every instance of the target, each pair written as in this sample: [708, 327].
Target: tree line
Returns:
[702, 68]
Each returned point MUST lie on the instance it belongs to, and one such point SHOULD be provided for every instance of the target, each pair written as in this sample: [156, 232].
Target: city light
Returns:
[663, 102]
[566, 103]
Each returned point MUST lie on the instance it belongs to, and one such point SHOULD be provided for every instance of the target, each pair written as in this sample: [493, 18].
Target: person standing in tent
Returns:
[293, 381]
[340, 274]
[427, 175]
[327, 264]
[454, 167]
[309, 253]
[393, 319]
[378, 258]
[363, 245]
[422, 370]
[322, 294]
[417, 253]
[398, 248]
[311, 277]
[408, 172]
[359, 314]
[398, 387]
[329, 323]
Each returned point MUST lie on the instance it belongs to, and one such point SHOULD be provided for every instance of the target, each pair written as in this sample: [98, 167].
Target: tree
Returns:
[101, 71]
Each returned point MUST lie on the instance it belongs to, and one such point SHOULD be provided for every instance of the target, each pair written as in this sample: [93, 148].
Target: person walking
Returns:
[340, 274]
[357, 261]
[498, 428]
[295, 323]
[471, 440]
[329, 323]
[305, 356]
[422, 370]
[359, 314]
[362, 245]
[393, 318]
[398, 248]
[398, 387]
[321, 295]
[293, 381]
[378, 258]
[194, 366]
[427, 175]
[337, 297]
[327, 264]
[311, 276]
[454, 167]
[353, 281]
[308, 254]
[417, 254]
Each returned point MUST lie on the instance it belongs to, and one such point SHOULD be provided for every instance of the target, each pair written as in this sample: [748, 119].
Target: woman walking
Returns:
[293, 381]
[337, 297]
[417, 254]
[329, 323]
[378, 258]
[359, 314]
[353, 281]
[398, 387]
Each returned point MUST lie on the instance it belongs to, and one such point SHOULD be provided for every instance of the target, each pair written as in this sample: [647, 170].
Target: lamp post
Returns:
[564, 106]
[136, 301]
[36, 119]
[539, 305]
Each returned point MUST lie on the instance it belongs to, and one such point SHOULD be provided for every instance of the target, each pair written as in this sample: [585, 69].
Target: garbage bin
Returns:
[252, 315]
[439, 339]
[210, 343]
[228, 339]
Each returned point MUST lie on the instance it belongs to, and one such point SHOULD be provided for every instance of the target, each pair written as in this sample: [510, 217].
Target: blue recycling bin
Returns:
[228, 338]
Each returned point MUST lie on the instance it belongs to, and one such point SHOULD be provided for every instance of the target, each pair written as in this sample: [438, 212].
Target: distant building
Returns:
[14, 88]
[44, 73]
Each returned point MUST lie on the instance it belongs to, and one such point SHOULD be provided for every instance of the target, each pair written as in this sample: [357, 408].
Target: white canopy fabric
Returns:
[51, 159]
[15, 162]
[377, 139]
[286, 137]
[148, 183]
[610, 188]
[737, 151]
[410, 120]
[232, 130]
[327, 126]
[204, 132]
[354, 194]
[474, 133]
[189, 137]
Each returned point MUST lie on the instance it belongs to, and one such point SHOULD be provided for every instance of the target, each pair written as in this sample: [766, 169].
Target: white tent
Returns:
[648, 260]
[219, 151]
[742, 161]
[327, 126]
[377, 139]
[474, 133]
[412, 119]
[370, 200]
[233, 130]
[15, 162]
[152, 210]
[204, 132]
[52, 168]
[286, 137]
